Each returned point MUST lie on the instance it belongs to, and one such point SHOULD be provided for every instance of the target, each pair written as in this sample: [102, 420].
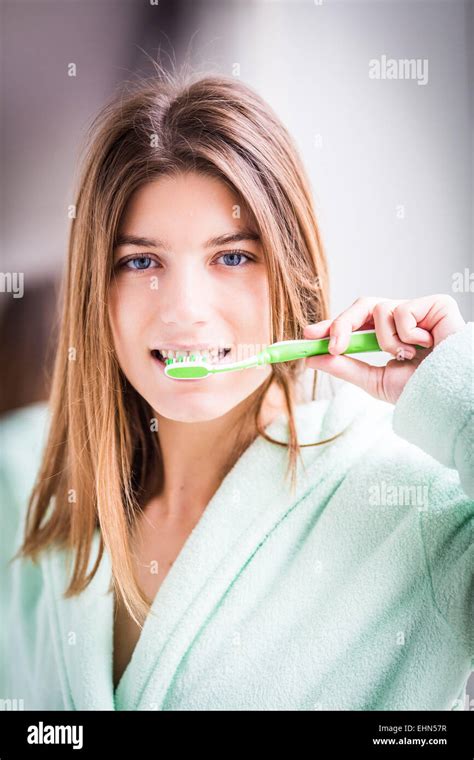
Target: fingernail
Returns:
[333, 342]
[406, 353]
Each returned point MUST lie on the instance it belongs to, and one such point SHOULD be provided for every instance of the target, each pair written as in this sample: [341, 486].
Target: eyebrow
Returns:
[230, 237]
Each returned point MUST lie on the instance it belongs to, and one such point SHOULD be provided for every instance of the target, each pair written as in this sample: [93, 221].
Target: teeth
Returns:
[213, 354]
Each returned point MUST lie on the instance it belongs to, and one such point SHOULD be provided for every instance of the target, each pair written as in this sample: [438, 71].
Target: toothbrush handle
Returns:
[359, 342]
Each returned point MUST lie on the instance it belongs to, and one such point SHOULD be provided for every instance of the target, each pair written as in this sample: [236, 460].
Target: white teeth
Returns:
[213, 354]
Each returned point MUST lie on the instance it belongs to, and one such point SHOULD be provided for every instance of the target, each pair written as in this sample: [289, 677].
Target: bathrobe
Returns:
[353, 593]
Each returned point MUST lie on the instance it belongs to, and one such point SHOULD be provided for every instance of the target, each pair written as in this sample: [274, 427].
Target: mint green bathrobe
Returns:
[356, 594]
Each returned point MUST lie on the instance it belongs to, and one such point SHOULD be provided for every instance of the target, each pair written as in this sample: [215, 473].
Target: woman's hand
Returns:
[398, 324]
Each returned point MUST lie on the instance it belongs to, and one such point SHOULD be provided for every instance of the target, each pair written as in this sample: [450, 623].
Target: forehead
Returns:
[184, 207]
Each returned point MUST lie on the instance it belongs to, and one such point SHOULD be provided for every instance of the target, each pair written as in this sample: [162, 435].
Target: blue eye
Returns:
[233, 255]
[143, 259]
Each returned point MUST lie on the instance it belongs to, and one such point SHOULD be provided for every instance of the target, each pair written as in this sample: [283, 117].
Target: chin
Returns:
[199, 401]
[199, 410]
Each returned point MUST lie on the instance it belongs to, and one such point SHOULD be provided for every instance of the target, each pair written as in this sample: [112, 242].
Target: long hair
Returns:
[101, 460]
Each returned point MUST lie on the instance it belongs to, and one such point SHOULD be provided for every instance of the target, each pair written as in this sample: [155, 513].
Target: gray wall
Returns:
[369, 146]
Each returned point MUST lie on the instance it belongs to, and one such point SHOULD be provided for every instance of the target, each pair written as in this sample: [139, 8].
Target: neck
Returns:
[198, 455]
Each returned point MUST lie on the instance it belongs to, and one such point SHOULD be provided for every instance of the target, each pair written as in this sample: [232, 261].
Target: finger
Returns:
[386, 332]
[407, 317]
[317, 330]
[366, 376]
[356, 317]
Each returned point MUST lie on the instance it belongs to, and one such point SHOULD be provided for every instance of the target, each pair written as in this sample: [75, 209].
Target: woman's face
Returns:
[180, 287]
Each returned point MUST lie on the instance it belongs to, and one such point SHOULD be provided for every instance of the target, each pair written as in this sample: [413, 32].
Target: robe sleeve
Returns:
[22, 436]
[435, 413]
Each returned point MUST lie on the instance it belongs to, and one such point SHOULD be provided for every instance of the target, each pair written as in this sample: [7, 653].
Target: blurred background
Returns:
[389, 160]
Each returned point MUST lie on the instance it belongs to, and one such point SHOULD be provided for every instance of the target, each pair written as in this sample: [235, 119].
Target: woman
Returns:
[201, 578]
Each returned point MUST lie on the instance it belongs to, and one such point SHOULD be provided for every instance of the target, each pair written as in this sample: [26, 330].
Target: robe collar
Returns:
[248, 505]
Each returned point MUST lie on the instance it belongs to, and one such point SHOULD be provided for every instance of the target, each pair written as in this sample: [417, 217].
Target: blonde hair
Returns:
[100, 447]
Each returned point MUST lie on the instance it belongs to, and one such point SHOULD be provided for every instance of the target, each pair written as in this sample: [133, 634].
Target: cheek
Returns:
[253, 306]
[127, 313]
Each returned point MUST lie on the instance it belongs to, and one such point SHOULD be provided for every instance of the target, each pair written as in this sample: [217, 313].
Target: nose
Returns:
[185, 295]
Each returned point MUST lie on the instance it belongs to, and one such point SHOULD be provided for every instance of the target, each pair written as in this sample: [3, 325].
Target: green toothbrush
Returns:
[183, 368]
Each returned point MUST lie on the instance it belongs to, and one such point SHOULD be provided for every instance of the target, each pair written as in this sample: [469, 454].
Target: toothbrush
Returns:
[183, 368]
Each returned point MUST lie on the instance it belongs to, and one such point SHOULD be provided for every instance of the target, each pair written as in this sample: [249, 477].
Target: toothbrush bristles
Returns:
[185, 359]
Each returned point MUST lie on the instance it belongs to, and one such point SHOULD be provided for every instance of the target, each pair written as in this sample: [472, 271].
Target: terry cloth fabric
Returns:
[355, 593]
